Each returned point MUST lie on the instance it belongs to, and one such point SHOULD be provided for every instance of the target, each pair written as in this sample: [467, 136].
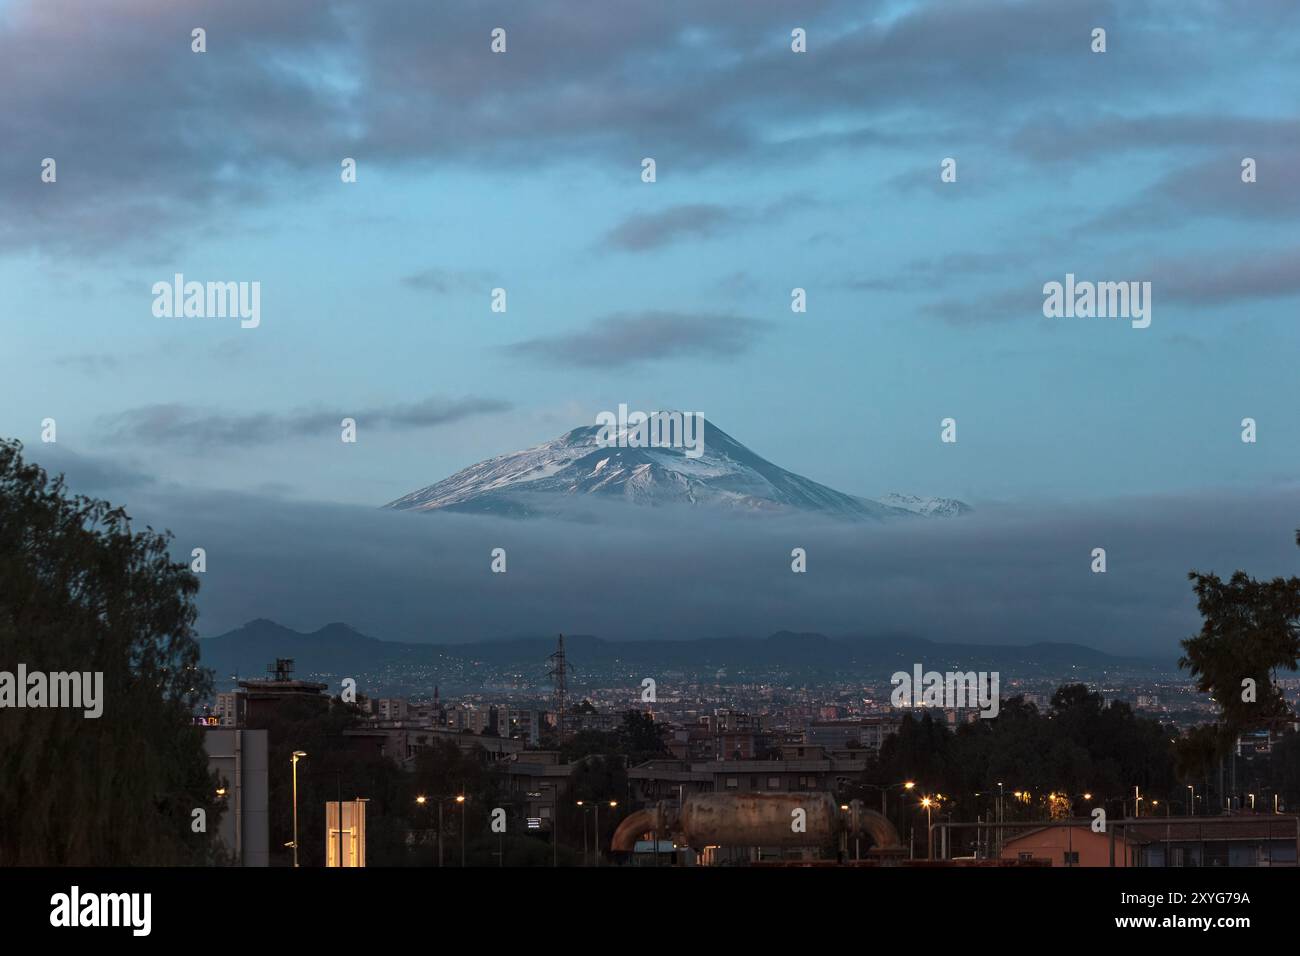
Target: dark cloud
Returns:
[927, 274]
[1210, 189]
[1057, 138]
[193, 427]
[652, 230]
[630, 338]
[1001, 575]
[92, 475]
[645, 231]
[1195, 280]
[976, 308]
[447, 281]
[149, 133]
[101, 364]
[1214, 280]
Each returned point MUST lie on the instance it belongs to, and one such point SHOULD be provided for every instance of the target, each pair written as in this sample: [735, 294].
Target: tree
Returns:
[641, 736]
[1251, 629]
[80, 591]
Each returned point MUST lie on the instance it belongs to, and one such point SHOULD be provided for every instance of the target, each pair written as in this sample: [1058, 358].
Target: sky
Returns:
[522, 170]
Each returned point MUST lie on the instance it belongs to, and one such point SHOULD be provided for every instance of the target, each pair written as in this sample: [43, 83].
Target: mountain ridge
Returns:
[340, 649]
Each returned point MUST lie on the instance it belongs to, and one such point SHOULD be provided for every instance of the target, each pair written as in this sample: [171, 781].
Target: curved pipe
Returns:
[881, 831]
[633, 827]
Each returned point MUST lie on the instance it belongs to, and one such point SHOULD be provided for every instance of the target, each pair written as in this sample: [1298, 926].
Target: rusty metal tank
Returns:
[755, 819]
[759, 819]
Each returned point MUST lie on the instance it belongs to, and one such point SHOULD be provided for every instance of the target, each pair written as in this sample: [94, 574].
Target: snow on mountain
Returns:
[546, 478]
[927, 507]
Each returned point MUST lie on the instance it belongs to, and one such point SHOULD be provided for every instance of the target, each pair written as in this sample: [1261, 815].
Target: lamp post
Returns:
[1191, 800]
[929, 835]
[1001, 816]
[580, 804]
[421, 800]
[596, 835]
[884, 789]
[460, 798]
[297, 755]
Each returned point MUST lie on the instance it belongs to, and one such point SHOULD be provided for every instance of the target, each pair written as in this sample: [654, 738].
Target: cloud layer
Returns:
[1002, 575]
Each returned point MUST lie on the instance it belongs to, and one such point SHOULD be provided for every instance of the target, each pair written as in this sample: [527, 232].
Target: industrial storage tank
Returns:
[756, 819]
[759, 819]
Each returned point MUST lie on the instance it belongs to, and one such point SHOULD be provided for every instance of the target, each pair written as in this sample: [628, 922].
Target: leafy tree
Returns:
[1251, 629]
[80, 590]
[641, 736]
[1079, 745]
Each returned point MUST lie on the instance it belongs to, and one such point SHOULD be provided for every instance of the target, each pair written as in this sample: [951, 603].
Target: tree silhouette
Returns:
[80, 591]
[1250, 630]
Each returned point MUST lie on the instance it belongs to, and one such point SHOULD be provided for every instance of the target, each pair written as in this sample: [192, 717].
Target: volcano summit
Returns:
[549, 479]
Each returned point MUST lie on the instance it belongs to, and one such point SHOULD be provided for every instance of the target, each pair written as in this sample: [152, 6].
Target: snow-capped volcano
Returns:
[543, 479]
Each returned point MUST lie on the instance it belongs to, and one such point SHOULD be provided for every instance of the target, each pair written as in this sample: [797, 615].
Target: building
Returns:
[866, 734]
[1066, 846]
[239, 759]
[402, 742]
[663, 779]
[390, 708]
[261, 698]
[227, 710]
[539, 782]
[1262, 839]
[1245, 840]
[734, 736]
[525, 725]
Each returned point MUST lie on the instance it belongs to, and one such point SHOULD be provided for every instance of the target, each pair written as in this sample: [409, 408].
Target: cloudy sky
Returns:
[775, 170]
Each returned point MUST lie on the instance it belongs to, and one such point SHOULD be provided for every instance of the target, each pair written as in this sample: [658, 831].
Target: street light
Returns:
[884, 789]
[596, 835]
[581, 805]
[929, 834]
[422, 800]
[460, 798]
[296, 756]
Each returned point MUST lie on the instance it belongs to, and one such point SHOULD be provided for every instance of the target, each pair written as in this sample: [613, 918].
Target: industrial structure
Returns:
[777, 821]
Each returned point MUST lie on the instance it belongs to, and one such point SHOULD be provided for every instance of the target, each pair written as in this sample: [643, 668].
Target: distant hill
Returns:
[340, 649]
